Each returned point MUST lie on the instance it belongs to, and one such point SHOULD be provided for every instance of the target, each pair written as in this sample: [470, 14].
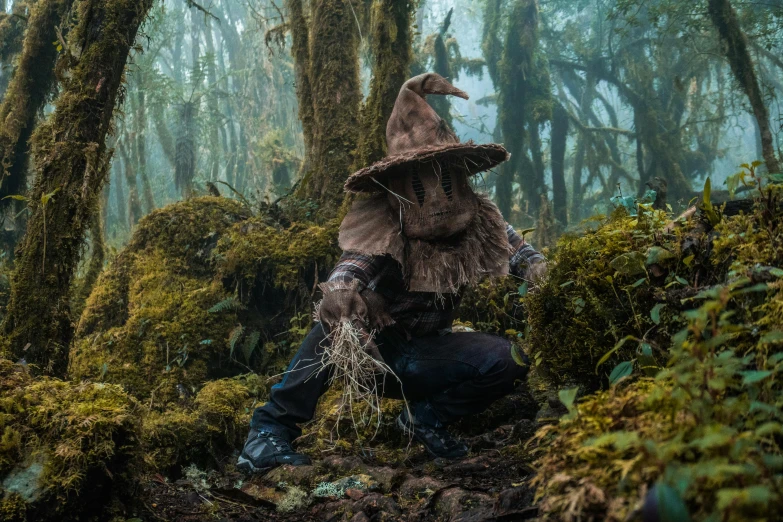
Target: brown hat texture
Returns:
[415, 133]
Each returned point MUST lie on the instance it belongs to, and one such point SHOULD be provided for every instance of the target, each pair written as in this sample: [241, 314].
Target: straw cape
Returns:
[416, 133]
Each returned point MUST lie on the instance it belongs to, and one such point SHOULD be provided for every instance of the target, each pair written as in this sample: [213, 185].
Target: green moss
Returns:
[707, 428]
[79, 441]
[601, 288]
[202, 430]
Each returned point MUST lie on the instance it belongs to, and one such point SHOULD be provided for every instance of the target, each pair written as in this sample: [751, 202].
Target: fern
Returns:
[231, 303]
[234, 336]
[249, 346]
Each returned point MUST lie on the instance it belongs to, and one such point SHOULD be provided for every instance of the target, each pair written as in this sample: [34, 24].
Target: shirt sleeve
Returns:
[353, 266]
[523, 255]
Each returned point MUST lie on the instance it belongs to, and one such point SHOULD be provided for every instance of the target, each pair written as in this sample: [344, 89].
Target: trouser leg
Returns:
[448, 377]
[293, 400]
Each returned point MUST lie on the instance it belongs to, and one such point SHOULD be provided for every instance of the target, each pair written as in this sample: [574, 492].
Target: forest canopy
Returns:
[171, 187]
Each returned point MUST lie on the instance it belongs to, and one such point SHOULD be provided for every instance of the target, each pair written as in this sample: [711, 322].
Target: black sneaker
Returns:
[264, 450]
[437, 441]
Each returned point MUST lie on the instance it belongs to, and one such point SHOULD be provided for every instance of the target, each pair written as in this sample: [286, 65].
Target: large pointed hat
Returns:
[415, 133]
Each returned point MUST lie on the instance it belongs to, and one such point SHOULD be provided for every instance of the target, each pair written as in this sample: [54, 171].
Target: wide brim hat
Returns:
[415, 134]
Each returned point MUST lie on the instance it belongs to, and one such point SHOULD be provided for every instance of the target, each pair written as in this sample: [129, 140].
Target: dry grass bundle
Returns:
[348, 357]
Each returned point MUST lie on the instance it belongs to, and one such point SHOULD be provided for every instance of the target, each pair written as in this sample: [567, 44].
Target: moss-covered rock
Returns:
[201, 292]
[705, 435]
[66, 448]
[602, 286]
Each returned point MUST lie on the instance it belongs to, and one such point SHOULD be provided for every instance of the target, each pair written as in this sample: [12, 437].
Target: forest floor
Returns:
[489, 484]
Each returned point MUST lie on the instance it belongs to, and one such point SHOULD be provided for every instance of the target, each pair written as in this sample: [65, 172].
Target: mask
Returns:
[440, 201]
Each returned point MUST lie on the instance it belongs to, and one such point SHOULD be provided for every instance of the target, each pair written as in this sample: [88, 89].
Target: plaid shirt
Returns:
[419, 313]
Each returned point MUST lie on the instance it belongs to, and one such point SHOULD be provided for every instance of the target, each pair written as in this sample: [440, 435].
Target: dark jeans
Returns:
[444, 377]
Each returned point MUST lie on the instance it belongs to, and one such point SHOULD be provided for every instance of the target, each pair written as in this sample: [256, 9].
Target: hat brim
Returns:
[471, 157]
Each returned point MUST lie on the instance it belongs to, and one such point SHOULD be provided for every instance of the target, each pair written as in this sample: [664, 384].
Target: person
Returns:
[421, 235]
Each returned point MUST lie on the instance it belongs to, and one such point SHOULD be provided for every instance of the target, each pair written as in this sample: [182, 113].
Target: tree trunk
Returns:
[212, 105]
[94, 267]
[735, 47]
[558, 150]
[69, 150]
[12, 29]
[119, 196]
[141, 141]
[26, 94]
[134, 205]
[391, 50]
[300, 50]
[336, 94]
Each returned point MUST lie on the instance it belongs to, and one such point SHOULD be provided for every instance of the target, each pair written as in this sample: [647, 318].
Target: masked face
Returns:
[442, 202]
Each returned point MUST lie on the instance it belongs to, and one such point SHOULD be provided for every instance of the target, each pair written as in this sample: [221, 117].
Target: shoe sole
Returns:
[406, 430]
[246, 466]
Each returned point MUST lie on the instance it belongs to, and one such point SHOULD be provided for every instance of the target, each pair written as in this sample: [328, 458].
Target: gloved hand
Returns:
[378, 317]
[342, 302]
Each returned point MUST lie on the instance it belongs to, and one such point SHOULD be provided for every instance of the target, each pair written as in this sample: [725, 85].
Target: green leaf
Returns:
[688, 260]
[671, 506]
[754, 376]
[568, 397]
[518, 356]
[617, 346]
[657, 255]
[16, 197]
[681, 280]
[249, 345]
[567, 283]
[46, 197]
[522, 289]
[622, 370]
[639, 282]
[579, 305]
[777, 272]
[630, 263]
[751, 496]
[772, 337]
[655, 313]
[233, 337]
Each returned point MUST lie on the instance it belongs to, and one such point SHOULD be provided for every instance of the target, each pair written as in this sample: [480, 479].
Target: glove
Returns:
[378, 317]
[342, 302]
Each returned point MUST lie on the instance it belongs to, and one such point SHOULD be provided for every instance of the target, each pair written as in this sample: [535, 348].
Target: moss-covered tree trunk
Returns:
[27, 92]
[391, 51]
[140, 134]
[12, 28]
[336, 95]
[69, 150]
[129, 170]
[735, 47]
[300, 50]
[558, 150]
[523, 99]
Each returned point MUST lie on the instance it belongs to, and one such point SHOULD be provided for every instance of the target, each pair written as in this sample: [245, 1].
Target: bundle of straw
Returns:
[356, 371]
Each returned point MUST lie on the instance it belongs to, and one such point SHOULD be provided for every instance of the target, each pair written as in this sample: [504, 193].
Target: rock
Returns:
[344, 464]
[415, 488]
[514, 501]
[354, 494]
[299, 475]
[261, 492]
[524, 429]
[379, 507]
[360, 517]
[385, 477]
[459, 504]
[472, 465]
